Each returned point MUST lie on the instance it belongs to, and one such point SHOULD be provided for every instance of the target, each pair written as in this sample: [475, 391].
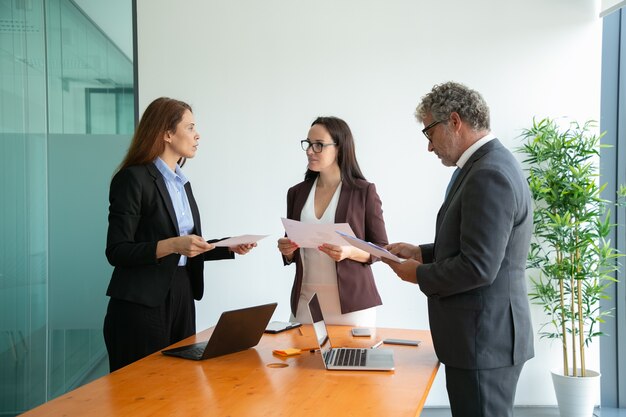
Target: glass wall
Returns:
[23, 208]
[66, 118]
[613, 173]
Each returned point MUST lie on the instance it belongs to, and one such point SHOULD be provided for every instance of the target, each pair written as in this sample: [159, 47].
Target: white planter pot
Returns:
[576, 396]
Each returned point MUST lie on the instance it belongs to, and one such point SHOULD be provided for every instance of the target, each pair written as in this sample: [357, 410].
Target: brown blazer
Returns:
[359, 206]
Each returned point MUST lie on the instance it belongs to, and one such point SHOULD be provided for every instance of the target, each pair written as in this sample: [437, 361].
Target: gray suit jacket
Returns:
[474, 272]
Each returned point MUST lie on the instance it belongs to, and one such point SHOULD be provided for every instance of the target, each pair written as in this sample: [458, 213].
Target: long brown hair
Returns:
[346, 158]
[161, 116]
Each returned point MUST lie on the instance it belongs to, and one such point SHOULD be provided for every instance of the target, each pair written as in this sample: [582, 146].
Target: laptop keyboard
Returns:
[347, 357]
[195, 352]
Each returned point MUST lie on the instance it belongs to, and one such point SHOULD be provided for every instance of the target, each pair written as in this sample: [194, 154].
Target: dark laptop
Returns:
[346, 359]
[235, 331]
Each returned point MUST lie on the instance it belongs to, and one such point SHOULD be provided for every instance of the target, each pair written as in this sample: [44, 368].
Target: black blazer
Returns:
[140, 214]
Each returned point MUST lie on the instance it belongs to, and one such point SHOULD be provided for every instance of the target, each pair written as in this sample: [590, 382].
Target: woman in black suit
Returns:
[154, 239]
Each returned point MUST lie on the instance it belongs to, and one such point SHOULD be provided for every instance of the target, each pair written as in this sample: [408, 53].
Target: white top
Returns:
[320, 274]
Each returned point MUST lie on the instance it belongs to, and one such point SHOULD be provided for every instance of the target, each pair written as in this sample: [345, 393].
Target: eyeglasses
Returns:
[427, 128]
[318, 147]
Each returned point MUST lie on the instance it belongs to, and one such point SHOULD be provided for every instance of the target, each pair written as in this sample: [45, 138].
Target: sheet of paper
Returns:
[370, 248]
[240, 240]
[312, 235]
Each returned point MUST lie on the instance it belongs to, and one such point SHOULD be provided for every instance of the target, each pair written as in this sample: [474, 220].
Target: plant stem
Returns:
[572, 311]
[563, 338]
[581, 336]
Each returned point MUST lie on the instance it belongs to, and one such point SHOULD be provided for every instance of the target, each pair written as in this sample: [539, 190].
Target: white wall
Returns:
[258, 73]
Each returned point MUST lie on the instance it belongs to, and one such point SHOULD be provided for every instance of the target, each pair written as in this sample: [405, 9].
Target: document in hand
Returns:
[312, 235]
[369, 247]
[239, 240]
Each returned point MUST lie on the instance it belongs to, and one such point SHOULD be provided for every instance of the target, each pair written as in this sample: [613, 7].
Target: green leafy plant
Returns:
[570, 260]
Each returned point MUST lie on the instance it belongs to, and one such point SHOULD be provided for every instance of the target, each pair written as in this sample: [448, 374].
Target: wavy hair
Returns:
[450, 97]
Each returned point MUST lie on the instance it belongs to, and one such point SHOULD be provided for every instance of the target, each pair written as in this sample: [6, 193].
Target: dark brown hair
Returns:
[346, 157]
[161, 116]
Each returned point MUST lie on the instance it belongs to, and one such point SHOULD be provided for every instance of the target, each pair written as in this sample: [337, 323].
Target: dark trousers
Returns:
[483, 392]
[133, 331]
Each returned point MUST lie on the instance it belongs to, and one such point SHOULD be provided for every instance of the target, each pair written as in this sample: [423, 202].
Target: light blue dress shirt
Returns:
[175, 182]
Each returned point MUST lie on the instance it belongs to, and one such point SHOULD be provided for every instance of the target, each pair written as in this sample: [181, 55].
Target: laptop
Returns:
[346, 359]
[235, 331]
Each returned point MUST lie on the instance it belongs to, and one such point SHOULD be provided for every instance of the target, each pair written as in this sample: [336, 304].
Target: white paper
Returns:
[312, 235]
[370, 248]
[239, 240]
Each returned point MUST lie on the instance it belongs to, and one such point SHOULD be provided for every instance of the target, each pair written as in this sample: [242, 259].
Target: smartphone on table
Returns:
[281, 326]
[361, 332]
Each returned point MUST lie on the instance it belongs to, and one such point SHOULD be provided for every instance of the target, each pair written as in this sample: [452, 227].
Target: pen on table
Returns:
[377, 344]
[300, 330]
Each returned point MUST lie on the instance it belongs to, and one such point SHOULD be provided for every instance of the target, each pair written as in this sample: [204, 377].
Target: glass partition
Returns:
[66, 118]
[23, 208]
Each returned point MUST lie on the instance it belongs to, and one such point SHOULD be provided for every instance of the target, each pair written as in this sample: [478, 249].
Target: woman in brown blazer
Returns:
[334, 191]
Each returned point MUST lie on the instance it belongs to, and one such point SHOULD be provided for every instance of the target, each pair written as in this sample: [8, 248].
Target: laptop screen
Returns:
[318, 324]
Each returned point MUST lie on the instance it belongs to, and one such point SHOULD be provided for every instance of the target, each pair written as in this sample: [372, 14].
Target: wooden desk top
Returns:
[252, 383]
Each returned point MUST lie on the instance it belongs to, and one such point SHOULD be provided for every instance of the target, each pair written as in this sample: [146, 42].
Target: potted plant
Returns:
[571, 262]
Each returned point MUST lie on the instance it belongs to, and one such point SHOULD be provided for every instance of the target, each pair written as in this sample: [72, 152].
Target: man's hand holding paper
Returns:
[406, 251]
[407, 269]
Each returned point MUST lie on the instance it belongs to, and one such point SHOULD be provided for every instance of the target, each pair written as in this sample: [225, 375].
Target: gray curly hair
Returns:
[450, 97]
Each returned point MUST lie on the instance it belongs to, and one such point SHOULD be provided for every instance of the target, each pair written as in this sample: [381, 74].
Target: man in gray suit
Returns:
[474, 272]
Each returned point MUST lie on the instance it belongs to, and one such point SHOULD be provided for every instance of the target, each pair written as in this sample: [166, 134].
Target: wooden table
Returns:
[257, 383]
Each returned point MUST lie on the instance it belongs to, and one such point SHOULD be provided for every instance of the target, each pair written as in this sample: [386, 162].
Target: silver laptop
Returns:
[236, 330]
[346, 359]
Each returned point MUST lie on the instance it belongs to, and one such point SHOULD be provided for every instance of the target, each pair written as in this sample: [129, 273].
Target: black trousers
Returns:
[483, 392]
[133, 331]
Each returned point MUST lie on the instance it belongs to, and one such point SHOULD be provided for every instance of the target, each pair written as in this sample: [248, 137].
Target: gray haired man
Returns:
[474, 272]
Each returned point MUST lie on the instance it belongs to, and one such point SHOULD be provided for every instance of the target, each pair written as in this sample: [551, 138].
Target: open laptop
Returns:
[235, 331]
[347, 359]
